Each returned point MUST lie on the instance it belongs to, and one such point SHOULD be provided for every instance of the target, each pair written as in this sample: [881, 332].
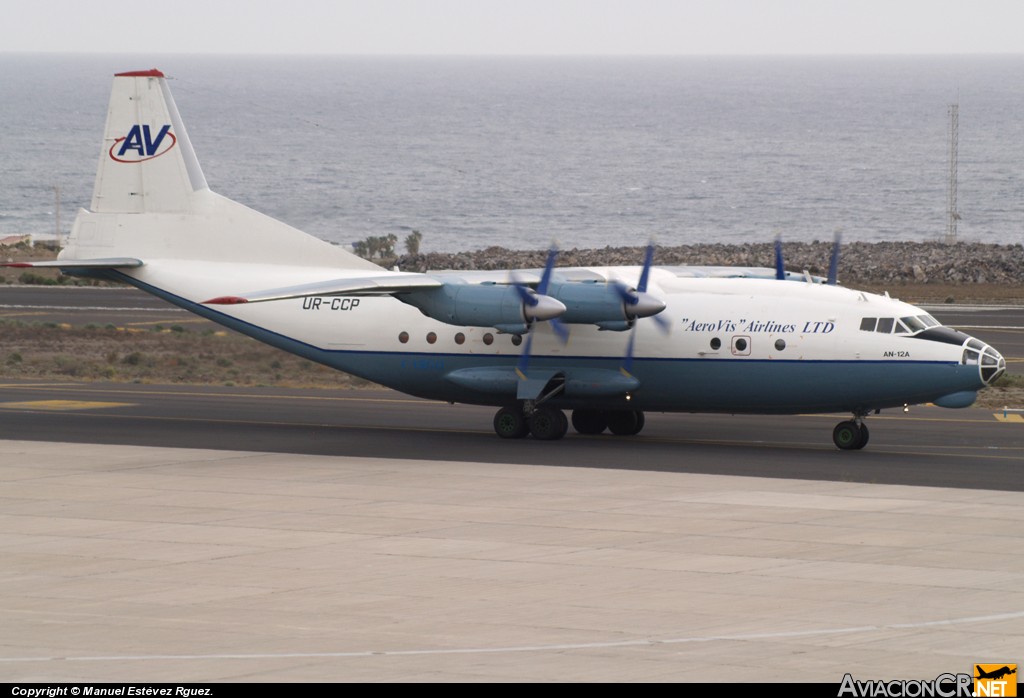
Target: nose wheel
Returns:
[851, 435]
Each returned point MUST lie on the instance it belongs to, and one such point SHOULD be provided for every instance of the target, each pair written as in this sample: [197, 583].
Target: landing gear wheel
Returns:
[589, 421]
[850, 436]
[548, 424]
[864, 435]
[625, 422]
[509, 423]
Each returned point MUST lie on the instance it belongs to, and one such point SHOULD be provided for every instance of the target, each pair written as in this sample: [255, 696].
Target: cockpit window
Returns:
[914, 324]
[975, 344]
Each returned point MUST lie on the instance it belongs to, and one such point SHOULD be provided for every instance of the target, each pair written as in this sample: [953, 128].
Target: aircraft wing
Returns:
[392, 283]
[102, 263]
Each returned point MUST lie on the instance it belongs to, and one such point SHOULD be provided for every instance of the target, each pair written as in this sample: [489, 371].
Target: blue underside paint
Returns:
[959, 400]
[666, 385]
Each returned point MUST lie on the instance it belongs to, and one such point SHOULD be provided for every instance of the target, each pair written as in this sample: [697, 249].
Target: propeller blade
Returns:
[529, 299]
[545, 279]
[641, 304]
[780, 268]
[627, 363]
[646, 273]
[663, 323]
[540, 307]
[833, 263]
[625, 293]
[524, 358]
[560, 329]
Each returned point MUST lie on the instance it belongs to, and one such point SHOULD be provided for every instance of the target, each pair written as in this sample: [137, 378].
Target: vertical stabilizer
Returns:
[147, 164]
[151, 200]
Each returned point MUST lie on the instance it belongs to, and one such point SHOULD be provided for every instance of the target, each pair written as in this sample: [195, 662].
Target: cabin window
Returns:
[403, 337]
[780, 344]
[716, 344]
[517, 339]
[885, 325]
[868, 324]
[460, 338]
[741, 346]
[431, 337]
[488, 338]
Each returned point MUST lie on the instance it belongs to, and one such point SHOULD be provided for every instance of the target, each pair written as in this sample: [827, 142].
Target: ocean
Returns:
[517, 152]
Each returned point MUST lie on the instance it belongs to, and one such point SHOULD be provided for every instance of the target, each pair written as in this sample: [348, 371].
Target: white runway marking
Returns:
[534, 648]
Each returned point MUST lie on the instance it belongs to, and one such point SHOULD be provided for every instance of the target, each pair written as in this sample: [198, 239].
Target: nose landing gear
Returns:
[851, 435]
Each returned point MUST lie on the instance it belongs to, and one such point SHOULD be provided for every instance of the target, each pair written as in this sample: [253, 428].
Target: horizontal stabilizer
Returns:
[394, 282]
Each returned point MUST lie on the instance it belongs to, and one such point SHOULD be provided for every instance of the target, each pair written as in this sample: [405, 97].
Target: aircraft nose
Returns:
[993, 365]
[990, 362]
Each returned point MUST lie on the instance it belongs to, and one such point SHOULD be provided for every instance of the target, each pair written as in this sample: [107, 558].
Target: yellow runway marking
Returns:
[1019, 419]
[19, 314]
[72, 387]
[61, 405]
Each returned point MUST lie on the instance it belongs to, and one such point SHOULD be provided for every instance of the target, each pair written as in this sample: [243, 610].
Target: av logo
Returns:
[140, 144]
[995, 680]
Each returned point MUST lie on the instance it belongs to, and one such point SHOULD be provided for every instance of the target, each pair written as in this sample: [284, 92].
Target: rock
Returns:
[860, 262]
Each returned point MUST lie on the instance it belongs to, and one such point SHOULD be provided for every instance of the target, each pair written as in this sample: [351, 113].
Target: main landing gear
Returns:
[550, 424]
[851, 435]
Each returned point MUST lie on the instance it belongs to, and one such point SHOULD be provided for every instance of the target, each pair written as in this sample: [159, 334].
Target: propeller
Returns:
[780, 267]
[537, 305]
[637, 303]
[833, 262]
[640, 304]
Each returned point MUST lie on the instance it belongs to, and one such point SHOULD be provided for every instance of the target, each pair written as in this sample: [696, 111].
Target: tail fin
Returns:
[151, 200]
[147, 164]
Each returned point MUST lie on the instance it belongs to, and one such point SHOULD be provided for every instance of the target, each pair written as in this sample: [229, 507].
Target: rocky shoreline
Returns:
[860, 263]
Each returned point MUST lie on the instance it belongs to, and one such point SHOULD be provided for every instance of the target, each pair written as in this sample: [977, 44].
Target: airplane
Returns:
[995, 674]
[607, 343]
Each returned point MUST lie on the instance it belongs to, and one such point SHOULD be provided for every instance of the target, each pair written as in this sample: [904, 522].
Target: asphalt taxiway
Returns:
[305, 535]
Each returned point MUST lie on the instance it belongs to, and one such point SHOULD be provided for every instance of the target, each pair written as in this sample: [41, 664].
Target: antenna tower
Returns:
[954, 156]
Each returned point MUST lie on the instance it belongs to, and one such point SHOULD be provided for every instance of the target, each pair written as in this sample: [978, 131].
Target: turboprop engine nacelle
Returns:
[606, 305]
[504, 307]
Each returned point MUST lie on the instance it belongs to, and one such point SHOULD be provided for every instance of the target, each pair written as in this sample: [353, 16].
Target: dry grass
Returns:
[167, 355]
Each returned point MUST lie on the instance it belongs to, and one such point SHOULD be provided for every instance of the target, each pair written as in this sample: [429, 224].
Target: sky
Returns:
[515, 27]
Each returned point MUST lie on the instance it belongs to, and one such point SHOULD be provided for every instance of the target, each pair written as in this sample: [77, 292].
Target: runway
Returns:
[176, 533]
[926, 447]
